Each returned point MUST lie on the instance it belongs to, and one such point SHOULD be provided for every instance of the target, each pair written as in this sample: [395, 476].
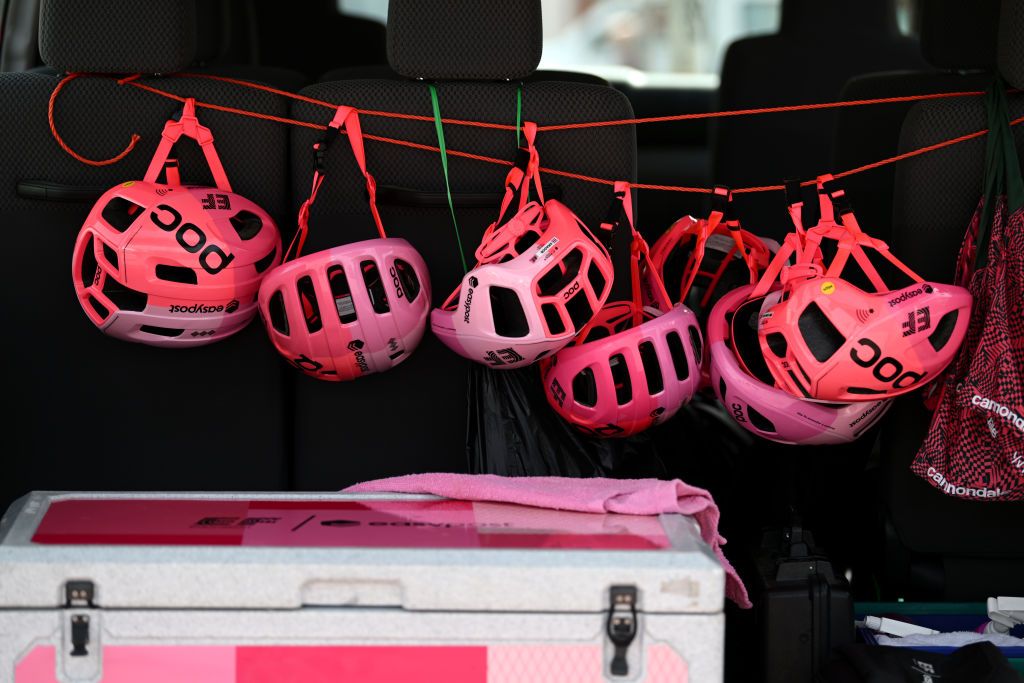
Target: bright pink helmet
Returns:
[827, 339]
[541, 276]
[351, 310]
[171, 265]
[639, 360]
[747, 390]
[700, 260]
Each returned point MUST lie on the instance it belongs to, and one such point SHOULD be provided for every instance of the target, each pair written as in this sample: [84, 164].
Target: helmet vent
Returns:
[119, 213]
[246, 224]
[89, 264]
[584, 389]
[310, 306]
[265, 262]
[580, 311]
[675, 348]
[180, 274]
[375, 287]
[864, 391]
[721, 388]
[596, 278]
[820, 335]
[561, 274]
[620, 376]
[944, 330]
[652, 368]
[162, 331]
[776, 342]
[697, 345]
[278, 316]
[507, 311]
[552, 318]
[110, 256]
[98, 307]
[407, 276]
[759, 421]
[342, 294]
[746, 344]
[528, 239]
[124, 298]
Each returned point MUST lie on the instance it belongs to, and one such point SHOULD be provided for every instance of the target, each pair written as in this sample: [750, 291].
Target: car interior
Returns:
[87, 412]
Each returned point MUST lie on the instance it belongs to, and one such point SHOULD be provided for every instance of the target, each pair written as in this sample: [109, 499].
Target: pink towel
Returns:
[624, 496]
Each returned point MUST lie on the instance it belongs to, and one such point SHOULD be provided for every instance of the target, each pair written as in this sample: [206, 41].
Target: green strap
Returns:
[444, 168]
[1002, 166]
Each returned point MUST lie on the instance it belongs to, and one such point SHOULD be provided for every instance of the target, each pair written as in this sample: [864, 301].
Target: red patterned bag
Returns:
[975, 446]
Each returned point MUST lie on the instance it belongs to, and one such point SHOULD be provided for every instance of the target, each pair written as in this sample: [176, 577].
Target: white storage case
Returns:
[243, 587]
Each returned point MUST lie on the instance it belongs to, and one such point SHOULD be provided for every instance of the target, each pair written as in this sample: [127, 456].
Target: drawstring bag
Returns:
[975, 446]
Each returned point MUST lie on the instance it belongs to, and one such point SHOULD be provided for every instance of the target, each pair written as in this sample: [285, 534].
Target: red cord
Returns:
[133, 81]
[64, 146]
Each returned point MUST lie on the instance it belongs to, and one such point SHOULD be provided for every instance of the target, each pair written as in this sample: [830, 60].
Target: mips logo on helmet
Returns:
[198, 245]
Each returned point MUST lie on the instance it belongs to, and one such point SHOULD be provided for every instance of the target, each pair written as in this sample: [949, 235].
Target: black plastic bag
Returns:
[512, 431]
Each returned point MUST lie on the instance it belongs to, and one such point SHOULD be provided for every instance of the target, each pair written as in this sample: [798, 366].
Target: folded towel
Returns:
[623, 496]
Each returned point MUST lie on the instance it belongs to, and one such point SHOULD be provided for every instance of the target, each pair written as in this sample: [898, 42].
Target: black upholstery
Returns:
[1011, 43]
[117, 36]
[819, 47]
[413, 418]
[454, 39]
[953, 549]
[955, 37]
[92, 412]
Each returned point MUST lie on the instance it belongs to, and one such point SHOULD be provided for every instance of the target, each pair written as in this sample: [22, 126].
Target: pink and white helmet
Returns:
[639, 360]
[174, 266]
[745, 386]
[541, 276]
[352, 310]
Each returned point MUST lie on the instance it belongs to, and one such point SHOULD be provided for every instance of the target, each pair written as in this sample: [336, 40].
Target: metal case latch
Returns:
[80, 651]
[622, 626]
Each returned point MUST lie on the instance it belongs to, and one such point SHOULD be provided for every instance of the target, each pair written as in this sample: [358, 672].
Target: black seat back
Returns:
[819, 46]
[959, 42]
[86, 411]
[952, 549]
[413, 418]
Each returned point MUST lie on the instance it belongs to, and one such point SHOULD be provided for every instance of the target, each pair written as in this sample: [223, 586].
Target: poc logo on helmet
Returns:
[887, 369]
[199, 245]
[397, 283]
[572, 290]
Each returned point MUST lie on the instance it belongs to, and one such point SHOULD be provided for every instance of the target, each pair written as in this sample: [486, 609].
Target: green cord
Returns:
[444, 167]
[519, 112]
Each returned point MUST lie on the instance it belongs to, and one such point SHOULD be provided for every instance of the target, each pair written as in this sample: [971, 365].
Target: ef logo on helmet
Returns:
[198, 246]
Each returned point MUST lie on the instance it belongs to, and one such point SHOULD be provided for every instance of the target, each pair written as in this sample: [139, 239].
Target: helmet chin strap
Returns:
[346, 119]
[187, 126]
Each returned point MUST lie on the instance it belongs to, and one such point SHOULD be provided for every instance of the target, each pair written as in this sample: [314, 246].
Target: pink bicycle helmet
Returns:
[827, 339]
[703, 259]
[540, 277]
[746, 388]
[639, 360]
[173, 266]
[352, 310]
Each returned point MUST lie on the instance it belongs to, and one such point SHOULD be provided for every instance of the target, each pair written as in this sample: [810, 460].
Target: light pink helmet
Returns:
[746, 388]
[639, 360]
[541, 276]
[352, 310]
[174, 266]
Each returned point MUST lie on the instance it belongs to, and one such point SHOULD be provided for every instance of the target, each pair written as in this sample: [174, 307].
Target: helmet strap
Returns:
[187, 125]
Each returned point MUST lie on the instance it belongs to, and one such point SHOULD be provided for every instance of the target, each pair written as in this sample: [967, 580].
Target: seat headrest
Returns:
[1011, 42]
[959, 35]
[465, 39]
[830, 18]
[210, 34]
[117, 36]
